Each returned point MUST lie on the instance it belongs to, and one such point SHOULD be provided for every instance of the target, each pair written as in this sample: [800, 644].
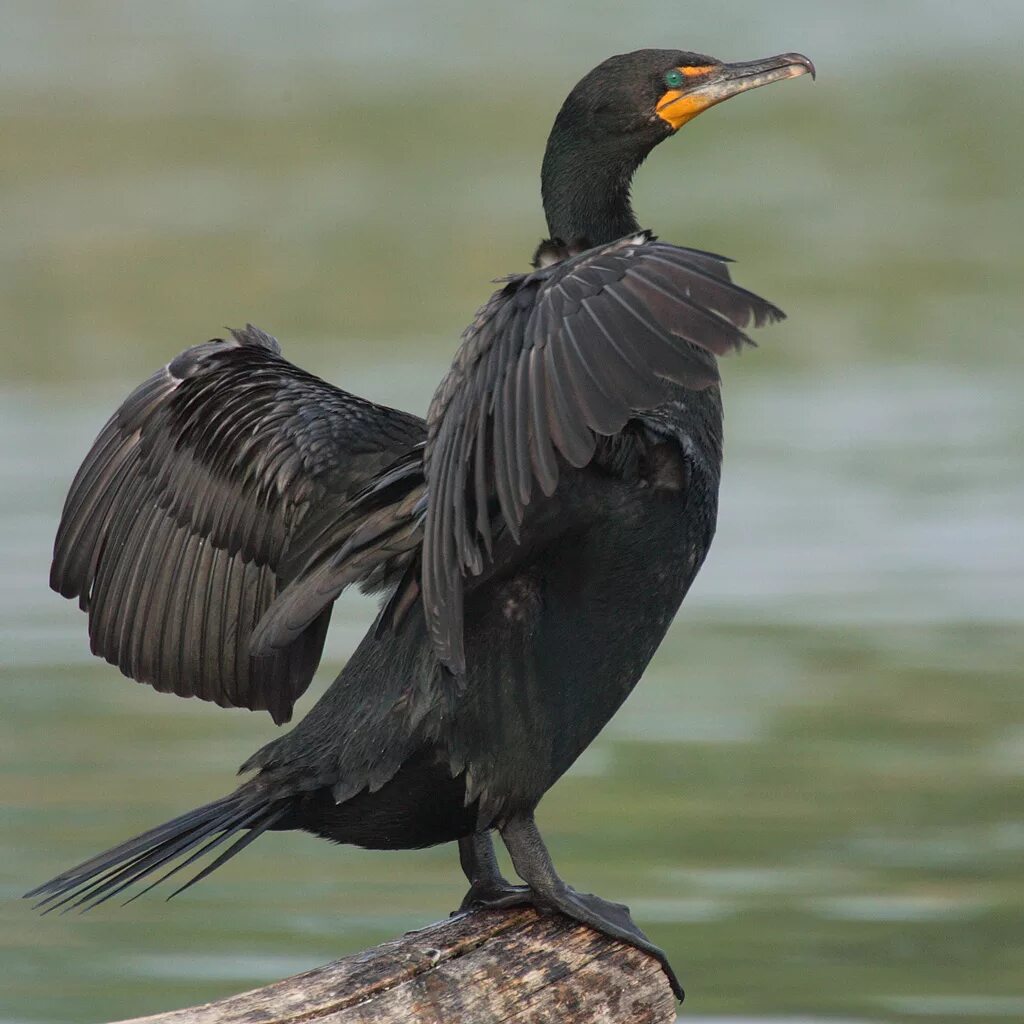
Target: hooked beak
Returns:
[709, 86]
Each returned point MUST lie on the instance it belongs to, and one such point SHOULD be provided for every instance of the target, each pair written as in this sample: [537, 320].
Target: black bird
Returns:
[533, 537]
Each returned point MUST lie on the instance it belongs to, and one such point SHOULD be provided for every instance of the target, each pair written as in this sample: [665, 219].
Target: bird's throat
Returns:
[585, 188]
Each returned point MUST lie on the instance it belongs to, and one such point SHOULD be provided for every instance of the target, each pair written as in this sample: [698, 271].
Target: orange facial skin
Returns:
[712, 83]
[676, 107]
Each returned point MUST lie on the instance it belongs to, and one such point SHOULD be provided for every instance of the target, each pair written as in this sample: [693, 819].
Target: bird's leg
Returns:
[487, 886]
[533, 865]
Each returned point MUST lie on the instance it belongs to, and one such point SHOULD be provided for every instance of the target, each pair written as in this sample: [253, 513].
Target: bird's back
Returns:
[557, 631]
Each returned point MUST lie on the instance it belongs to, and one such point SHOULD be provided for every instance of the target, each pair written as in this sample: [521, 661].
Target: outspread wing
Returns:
[375, 543]
[189, 513]
[554, 359]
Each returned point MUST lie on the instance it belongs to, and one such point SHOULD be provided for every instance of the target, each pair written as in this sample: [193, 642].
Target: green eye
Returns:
[674, 78]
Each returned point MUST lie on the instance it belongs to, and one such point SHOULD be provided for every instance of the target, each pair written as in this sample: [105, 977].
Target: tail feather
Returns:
[235, 848]
[104, 876]
[122, 874]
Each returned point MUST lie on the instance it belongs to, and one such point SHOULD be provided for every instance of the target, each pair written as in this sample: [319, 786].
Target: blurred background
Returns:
[814, 799]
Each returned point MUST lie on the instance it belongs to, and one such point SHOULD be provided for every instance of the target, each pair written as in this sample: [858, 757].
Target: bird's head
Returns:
[618, 112]
[651, 94]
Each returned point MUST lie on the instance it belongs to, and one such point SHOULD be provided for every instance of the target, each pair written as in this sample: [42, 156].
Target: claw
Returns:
[484, 896]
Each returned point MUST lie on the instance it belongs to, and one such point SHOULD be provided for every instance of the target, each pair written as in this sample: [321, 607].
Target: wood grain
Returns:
[510, 966]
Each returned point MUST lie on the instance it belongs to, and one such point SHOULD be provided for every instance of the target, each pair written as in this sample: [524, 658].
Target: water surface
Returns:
[814, 799]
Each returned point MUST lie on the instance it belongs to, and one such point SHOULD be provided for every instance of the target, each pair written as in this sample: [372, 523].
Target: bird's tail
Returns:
[108, 874]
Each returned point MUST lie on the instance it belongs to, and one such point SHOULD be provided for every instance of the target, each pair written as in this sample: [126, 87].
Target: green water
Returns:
[815, 799]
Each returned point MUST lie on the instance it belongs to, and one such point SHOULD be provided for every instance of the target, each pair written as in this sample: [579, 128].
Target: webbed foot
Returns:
[611, 919]
[533, 865]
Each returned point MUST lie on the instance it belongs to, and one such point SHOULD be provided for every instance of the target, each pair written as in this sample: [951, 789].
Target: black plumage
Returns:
[187, 516]
[533, 537]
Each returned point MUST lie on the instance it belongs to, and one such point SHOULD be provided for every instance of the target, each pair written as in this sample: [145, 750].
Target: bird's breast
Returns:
[556, 644]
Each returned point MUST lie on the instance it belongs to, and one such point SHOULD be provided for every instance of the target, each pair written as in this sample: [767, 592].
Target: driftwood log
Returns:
[511, 966]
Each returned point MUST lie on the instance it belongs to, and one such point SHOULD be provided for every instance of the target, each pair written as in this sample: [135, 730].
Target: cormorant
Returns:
[533, 537]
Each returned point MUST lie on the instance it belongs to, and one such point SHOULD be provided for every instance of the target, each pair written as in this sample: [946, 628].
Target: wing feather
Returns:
[185, 520]
[480, 495]
[554, 360]
[542, 454]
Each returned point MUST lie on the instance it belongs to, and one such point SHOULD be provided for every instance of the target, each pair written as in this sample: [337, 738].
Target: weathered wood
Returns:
[513, 966]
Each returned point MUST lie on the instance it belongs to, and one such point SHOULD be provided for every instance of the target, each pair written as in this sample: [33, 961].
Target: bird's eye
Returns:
[674, 78]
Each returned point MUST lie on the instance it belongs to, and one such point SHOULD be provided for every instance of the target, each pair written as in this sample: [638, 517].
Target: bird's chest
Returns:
[609, 597]
[555, 647]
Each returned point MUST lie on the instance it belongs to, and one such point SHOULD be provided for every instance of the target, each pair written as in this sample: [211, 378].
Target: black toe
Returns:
[494, 897]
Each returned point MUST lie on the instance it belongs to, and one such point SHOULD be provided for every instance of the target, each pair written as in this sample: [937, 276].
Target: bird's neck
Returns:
[585, 188]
